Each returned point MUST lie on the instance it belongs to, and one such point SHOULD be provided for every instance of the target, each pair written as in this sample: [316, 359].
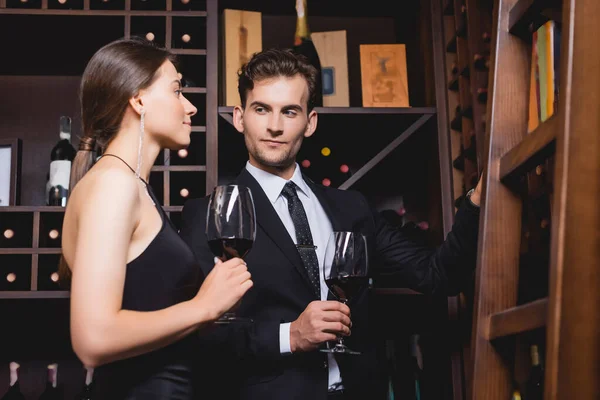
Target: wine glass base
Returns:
[340, 349]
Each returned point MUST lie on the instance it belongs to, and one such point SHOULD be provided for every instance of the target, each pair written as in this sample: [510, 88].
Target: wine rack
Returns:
[31, 236]
[467, 27]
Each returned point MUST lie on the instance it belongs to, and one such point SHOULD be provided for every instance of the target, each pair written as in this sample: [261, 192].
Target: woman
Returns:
[135, 285]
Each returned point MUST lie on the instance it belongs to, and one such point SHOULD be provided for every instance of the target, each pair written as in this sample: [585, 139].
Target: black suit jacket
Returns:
[243, 361]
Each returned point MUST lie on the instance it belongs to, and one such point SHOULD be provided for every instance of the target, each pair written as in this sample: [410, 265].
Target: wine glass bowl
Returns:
[230, 227]
[345, 269]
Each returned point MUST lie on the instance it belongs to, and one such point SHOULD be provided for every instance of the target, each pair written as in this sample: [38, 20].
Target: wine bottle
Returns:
[454, 69]
[14, 389]
[52, 391]
[456, 123]
[453, 85]
[61, 157]
[304, 45]
[459, 162]
[486, 37]
[482, 95]
[480, 62]
[535, 382]
[87, 391]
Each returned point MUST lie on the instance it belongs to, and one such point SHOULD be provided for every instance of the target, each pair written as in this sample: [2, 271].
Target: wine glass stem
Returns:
[340, 338]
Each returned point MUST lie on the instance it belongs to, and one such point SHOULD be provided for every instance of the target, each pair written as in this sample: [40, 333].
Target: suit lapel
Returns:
[269, 221]
[338, 222]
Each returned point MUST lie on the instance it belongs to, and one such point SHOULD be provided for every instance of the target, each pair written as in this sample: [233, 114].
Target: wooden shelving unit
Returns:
[411, 123]
[567, 148]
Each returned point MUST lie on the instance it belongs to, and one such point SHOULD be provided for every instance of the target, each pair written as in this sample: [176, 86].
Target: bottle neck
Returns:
[14, 373]
[65, 135]
[535, 356]
[302, 31]
[52, 375]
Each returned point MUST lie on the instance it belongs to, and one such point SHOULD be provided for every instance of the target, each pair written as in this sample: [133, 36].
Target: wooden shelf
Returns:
[359, 110]
[528, 15]
[533, 149]
[189, 52]
[34, 294]
[32, 209]
[113, 13]
[29, 250]
[518, 319]
[193, 90]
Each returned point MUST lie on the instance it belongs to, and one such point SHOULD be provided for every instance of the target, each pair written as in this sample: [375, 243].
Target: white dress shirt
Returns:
[320, 228]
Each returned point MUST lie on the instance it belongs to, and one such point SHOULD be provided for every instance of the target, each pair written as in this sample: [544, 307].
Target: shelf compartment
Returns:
[15, 272]
[51, 229]
[188, 33]
[531, 151]
[47, 279]
[186, 185]
[16, 229]
[193, 70]
[144, 26]
[194, 155]
[523, 318]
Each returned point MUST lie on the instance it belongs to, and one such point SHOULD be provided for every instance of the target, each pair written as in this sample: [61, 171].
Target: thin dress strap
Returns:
[125, 162]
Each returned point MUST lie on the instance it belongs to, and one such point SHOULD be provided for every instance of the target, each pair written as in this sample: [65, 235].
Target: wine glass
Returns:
[230, 227]
[346, 272]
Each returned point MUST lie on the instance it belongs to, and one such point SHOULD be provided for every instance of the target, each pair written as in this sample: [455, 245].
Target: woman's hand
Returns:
[224, 287]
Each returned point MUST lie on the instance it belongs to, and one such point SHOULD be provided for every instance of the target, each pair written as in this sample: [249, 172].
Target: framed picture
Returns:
[10, 171]
[384, 75]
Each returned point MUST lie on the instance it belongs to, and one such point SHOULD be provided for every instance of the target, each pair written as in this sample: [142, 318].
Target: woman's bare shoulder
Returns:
[106, 186]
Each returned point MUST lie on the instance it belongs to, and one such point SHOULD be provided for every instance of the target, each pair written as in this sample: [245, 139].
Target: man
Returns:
[277, 355]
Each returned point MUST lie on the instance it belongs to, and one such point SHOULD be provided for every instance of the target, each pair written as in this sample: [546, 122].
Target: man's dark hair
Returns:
[272, 63]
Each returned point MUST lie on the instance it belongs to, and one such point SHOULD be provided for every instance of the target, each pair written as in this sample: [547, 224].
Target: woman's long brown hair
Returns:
[115, 74]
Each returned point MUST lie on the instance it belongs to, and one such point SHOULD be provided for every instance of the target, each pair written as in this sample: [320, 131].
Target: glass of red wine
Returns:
[346, 269]
[230, 228]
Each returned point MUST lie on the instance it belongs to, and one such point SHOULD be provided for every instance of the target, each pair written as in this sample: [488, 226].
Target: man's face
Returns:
[275, 121]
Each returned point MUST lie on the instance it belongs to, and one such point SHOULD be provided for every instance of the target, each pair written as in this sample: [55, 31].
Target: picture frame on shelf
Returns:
[10, 171]
[384, 75]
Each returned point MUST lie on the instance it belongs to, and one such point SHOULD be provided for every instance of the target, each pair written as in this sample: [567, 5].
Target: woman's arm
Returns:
[101, 331]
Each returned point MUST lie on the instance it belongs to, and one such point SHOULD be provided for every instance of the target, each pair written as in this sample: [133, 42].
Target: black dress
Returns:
[166, 273]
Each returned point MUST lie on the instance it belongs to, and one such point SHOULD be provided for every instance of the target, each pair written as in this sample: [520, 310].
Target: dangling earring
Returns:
[139, 160]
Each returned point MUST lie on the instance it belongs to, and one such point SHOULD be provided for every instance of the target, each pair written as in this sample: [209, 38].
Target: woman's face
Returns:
[167, 112]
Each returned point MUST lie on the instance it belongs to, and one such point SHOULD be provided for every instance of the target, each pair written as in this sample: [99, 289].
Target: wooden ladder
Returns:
[569, 316]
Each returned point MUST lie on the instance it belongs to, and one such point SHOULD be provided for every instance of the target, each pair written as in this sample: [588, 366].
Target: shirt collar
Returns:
[272, 184]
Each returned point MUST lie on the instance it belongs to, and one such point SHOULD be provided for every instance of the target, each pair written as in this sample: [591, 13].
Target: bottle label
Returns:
[60, 173]
[328, 78]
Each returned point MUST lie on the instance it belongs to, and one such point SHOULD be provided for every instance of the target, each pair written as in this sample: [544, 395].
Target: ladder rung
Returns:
[532, 150]
[518, 319]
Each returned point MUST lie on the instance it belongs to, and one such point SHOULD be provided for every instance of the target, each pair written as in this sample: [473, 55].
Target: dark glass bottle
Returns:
[304, 45]
[61, 157]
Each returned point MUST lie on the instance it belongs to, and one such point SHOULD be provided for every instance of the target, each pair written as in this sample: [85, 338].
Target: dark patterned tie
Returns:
[304, 239]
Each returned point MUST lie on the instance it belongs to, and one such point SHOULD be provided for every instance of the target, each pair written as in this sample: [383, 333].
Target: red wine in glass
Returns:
[230, 227]
[345, 271]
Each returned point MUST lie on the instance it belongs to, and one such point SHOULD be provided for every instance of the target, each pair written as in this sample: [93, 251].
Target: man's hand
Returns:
[320, 322]
[476, 195]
